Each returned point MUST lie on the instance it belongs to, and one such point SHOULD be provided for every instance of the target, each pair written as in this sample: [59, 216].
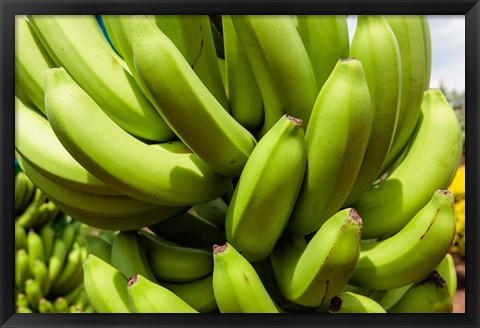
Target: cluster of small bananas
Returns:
[304, 159]
[49, 255]
[458, 189]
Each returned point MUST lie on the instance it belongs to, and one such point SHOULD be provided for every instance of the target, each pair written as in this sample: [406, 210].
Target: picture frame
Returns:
[10, 8]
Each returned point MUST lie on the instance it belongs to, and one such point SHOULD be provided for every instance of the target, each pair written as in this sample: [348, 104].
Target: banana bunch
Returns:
[48, 267]
[241, 163]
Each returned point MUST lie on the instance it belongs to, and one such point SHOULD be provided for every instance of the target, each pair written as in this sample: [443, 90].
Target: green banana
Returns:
[336, 141]
[280, 64]
[163, 72]
[99, 247]
[23, 309]
[31, 62]
[69, 277]
[105, 286]
[129, 255]
[40, 274]
[430, 295]
[183, 179]
[20, 237]
[22, 269]
[326, 41]
[244, 97]
[35, 248]
[389, 297]
[77, 44]
[349, 302]
[60, 304]
[397, 261]
[390, 204]
[171, 262]
[57, 258]
[21, 300]
[427, 44]
[45, 306]
[198, 293]
[29, 192]
[236, 285]
[68, 233]
[213, 211]
[409, 35]
[30, 216]
[146, 296]
[24, 190]
[254, 223]
[447, 270]
[33, 292]
[375, 45]
[312, 273]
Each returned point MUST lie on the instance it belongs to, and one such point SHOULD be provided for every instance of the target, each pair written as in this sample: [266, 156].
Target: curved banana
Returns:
[349, 302]
[109, 153]
[198, 293]
[129, 255]
[375, 45]
[236, 285]
[447, 270]
[105, 286]
[390, 204]
[280, 64]
[146, 296]
[57, 258]
[326, 41]
[72, 273]
[312, 274]
[430, 295]
[254, 222]
[171, 262]
[336, 141]
[22, 269]
[20, 191]
[77, 44]
[409, 35]
[31, 62]
[244, 97]
[427, 44]
[397, 261]
[35, 248]
[185, 103]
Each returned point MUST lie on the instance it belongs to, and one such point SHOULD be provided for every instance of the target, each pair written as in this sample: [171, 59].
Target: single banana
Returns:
[375, 45]
[172, 262]
[236, 285]
[99, 247]
[447, 270]
[29, 193]
[129, 255]
[20, 191]
[389, 205]
[57, 258]
[77, 44]
[34, 293]
[40, 274]
[60, 304]
[408, 31]
[349, 302]
[146, 296]
[22, 269]
[31, 62]
[430, 295]
[198, 293]
[110, 153]
[312, 274]
[336, 141]
[427, 44]
[164, 72]
[280, 64]
[254, 222]
[48, 237]
[326, 41]
[35, 248]
[105, 286]
[20, 237]
[397, 261]
[244, 97]
[45, 306]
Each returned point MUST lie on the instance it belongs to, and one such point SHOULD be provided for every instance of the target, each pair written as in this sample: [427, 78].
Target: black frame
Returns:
[9, 8]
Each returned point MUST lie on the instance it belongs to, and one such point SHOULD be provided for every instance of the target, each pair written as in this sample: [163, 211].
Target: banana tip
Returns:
[294, 120]
[355, 216]
[219, 248]
[335, 304]
[133, 279]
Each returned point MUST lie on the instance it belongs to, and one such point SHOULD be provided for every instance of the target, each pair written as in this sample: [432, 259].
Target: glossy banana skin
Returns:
[348, 302]
[77, 44]
[389, 205]
[254, 224]
[396, 261]
[109, 153]
[336, 140]
[376, 46]
[236, 285]
[280, 64]
[427, 44]
[163, 71]
[326, 41]
[312, 274]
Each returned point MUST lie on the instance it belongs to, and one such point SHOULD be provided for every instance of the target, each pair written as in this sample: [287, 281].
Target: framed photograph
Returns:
[232, 163]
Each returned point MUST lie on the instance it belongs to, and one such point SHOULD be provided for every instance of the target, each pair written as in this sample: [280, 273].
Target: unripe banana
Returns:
[109, 153]
[254, 223]
[105, 286]
[375, 45]
[57, 259]
[71, 275]
[312, 274]
[22, 269]
[60, 304]
[213, 211]
[45, 306]
[179, 95]
[389, 205]
[349, 302]
[20, 191]
[280, 64]
[447, 270]
[40, 274]
[236, 285]
[336, 141]
[427, 44]
[99, 247]
[326, 41]
[35, 248]
[33, 292]
[77, 44]
[20, 237]
[397, 261]
[146, 296]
